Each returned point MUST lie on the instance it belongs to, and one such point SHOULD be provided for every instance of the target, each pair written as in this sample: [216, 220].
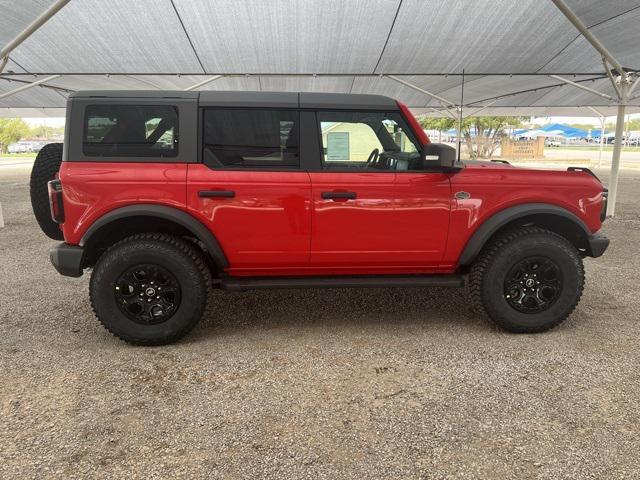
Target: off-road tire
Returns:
[45, 167]
[488, 273]
[181, 258]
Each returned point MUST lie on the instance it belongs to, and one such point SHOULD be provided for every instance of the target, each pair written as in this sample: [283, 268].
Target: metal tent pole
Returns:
[203, 82]
[586, 33]
[601, 141]
[615, 161]
[602, 124]
[28, 85]
[443, 101]
[621, 85]
[27, 32]
[583, 87]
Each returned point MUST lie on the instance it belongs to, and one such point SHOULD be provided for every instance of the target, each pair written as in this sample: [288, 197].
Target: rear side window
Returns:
[251, 139]
[130, 131]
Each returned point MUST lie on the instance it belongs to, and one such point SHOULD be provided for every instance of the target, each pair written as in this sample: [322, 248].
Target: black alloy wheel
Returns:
[533, 284]
[147, 294]
[150, 288]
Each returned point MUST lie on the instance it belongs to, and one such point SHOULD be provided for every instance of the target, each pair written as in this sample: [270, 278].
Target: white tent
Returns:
[525, 57]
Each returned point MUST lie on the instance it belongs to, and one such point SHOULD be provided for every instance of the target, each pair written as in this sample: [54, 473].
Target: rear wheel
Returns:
[45, 167]
[150, 289]
[527, 280]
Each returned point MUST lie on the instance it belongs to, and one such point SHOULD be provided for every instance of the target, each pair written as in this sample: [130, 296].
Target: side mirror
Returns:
[439, 155]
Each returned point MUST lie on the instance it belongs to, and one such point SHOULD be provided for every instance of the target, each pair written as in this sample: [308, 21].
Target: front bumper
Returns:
[67, 259]
[598, 243]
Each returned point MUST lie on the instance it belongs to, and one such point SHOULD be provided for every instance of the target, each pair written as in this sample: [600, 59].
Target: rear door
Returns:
[375, 208]
[250, 191]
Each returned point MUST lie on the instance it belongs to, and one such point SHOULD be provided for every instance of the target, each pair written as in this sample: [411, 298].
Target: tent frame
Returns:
[43, 18]
[623, 82]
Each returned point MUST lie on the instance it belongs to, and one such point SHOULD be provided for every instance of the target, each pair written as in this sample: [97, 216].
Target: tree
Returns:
[439, 124]
[633, 124]
[11, 130]
[481, 134]
[44, 131]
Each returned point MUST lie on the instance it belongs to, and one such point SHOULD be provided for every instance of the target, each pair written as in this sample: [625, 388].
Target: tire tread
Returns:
[45, 167]
[478, 272]
[186, 248]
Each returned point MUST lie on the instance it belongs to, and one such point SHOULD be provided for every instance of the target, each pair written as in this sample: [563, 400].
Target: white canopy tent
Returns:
[525, 57]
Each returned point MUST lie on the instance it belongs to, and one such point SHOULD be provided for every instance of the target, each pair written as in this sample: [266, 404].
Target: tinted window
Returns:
[130, 131]
[367, 140]
[251, 138]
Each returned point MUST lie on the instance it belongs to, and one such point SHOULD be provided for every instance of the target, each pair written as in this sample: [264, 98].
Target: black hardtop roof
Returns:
[220, 98]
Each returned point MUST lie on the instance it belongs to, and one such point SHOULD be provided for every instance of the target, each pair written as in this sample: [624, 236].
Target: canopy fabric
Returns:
[560, 130]
[507, 49]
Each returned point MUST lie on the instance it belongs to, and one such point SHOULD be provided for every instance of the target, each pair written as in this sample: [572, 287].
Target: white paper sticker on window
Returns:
[337, 146]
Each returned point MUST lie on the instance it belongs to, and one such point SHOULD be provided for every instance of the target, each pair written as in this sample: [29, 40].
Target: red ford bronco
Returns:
[165, 195]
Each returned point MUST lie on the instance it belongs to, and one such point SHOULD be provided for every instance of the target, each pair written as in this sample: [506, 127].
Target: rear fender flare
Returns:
[197, 228]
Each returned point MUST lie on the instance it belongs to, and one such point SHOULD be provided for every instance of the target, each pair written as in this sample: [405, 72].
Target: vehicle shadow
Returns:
[335, 307]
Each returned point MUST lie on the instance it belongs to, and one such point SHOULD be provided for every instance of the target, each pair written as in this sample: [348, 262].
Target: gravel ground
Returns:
[317, 384]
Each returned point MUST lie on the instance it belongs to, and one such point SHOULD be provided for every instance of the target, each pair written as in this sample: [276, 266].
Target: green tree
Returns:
[633, 124]
[439, 124]
[44, 131]
[489, 130]
[486, 133]
[11, 130]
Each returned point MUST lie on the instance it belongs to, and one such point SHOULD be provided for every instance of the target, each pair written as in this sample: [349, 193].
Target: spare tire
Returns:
[45, 168]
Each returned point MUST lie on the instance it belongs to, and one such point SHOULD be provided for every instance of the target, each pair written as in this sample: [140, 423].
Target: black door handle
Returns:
[216, 193]
[338, 195]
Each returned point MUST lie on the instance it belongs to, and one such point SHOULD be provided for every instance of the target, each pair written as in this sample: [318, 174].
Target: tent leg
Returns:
[601, 141]
[615, 161]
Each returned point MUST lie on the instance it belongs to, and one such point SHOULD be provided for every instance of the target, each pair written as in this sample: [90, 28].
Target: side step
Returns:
[241, 284]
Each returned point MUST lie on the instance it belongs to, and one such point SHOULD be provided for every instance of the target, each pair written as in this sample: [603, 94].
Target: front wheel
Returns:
[150, 289]
[527, 280]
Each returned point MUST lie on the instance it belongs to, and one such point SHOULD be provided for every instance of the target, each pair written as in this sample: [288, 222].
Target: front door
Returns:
[375, 208]
[250, 190]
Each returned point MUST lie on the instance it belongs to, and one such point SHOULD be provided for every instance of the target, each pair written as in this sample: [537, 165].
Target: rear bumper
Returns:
[598, 243]
[67, 259]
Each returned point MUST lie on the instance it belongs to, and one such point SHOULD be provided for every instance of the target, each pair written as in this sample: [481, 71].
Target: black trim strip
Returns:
[240, 284]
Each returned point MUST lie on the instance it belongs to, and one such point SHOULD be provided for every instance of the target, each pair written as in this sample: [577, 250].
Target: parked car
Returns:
[18, 148]
[166, 195]
[552, 143]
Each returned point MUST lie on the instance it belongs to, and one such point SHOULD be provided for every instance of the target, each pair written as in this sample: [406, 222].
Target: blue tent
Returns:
[560, 130]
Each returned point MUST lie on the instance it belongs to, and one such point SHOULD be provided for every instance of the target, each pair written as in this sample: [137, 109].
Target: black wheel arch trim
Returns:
[502, 218]
[180, 217]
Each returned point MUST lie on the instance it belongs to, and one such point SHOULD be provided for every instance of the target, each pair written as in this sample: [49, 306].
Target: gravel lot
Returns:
[317, 384]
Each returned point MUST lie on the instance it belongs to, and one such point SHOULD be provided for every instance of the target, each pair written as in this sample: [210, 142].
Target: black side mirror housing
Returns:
[440, 155]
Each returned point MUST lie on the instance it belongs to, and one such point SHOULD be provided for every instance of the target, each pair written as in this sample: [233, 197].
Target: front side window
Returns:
[367, 140]
[251, 139]
[130, 131]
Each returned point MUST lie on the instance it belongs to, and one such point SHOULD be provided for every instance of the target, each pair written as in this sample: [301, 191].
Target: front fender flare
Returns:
[490, 226]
